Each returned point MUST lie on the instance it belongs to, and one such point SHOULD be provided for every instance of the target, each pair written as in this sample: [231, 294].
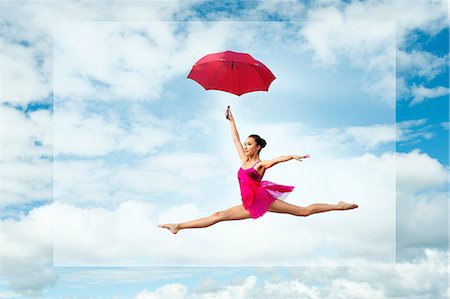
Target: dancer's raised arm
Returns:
[269, 163]
[235, 135]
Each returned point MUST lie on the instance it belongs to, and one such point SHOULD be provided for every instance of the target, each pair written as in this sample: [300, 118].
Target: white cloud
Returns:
[26, 150]
[412, 131]
[34, 63]
[418, 172]
[426, 15]
[10, 294]
[373, 136]
[242, 290]
[128, 60]
[150, 179]
[422, 201]
[93, 276]
[21, 132]
[411, 123]
[281, 9]
[69, 221]
[422, 221]
[420, 64]
[287, 289]
[445, 125]
[26, 181]
[80, 135]
[24, 79]
[171, 291]
[123, 60]
[344, 288]
[28, 171]
[421, 93]
[191, 166]
[424, 278]
[85, 133]
[366, 34]
[403, 92]
[367, 45]
[27, 252]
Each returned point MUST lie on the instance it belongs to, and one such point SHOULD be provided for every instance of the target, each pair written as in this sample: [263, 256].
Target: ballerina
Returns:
[258, 196]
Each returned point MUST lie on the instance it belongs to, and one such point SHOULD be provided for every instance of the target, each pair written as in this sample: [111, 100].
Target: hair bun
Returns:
[263, 143]
[259, 141]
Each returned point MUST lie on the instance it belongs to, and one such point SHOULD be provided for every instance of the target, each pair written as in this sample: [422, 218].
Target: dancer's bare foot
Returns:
[347, 206]
[172, 227]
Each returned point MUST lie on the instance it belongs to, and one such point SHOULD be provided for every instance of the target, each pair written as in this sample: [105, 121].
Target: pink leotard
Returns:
[258, 195]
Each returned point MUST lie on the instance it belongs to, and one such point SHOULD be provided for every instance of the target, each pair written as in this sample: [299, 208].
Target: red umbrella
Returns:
[233, 72]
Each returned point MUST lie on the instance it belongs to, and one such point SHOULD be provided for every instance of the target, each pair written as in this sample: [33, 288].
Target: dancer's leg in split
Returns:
[279, 206]
[234, 213]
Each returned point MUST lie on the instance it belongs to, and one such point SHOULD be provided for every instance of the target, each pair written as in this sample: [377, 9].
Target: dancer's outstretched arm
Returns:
[266, 164]
[235, 135]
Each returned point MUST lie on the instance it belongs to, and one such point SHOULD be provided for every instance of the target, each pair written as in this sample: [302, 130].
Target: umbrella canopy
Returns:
[233, 72]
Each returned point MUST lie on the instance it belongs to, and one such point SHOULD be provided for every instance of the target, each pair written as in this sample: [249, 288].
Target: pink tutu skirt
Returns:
[257, 195]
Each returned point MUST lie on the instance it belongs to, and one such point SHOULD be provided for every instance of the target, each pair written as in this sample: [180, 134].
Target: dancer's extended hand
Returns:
[299, 158]
[228, 114]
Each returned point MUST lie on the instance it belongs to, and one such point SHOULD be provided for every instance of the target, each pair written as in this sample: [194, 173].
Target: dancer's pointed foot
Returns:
[174, 228]
[347, 206]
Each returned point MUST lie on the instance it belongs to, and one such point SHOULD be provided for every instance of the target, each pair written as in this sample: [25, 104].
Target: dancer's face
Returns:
[250, 146]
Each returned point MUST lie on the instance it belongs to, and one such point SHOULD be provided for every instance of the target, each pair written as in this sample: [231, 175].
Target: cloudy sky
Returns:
[103, 137]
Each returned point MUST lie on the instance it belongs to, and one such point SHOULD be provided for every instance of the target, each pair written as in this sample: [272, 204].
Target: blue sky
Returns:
[435, 112]
[97, 138]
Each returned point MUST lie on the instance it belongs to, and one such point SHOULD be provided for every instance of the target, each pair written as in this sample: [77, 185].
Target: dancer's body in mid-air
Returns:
[258, 196]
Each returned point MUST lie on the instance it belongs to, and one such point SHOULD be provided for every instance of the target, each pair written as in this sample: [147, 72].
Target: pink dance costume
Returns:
[258, 195]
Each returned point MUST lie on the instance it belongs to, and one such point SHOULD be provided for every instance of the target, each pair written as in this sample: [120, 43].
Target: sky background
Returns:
[103, 137]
